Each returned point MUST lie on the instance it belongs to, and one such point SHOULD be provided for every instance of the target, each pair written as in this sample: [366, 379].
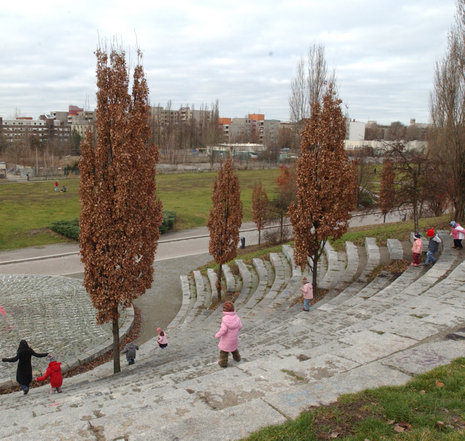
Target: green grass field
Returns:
[27, 209]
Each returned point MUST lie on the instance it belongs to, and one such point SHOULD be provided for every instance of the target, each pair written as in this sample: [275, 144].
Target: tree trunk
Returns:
[259, 234]
[415, 216]
[459, 214]
[315, 272]
[281, 227]
[384, 218]
[218, 282]
[116, 361]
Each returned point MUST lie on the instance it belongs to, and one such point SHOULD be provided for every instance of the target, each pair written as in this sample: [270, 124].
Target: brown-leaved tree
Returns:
[259, 208]
[387, 192]
[225, 218]
[326, 183]
[120, 214]
[279, 205]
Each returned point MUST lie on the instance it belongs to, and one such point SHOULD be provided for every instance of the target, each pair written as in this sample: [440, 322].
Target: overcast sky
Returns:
[241, 53]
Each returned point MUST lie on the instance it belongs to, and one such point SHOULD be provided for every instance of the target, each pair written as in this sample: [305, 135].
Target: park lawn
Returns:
[189, 194]
[27, 209]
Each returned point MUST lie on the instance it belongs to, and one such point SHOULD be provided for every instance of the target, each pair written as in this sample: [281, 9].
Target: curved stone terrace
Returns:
[54, 314]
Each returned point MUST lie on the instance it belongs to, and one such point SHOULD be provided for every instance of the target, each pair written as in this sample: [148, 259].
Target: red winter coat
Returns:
[54, 372]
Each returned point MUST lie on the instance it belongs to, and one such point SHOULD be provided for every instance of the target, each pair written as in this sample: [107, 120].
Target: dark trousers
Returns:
[224, 357]
[458, 243]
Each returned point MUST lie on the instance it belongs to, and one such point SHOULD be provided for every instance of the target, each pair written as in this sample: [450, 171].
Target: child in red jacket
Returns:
[54, 372]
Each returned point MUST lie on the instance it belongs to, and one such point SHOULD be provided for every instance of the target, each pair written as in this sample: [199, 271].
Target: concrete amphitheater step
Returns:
[181, 392]
[285, 289]
[314, 375]
[197, 376]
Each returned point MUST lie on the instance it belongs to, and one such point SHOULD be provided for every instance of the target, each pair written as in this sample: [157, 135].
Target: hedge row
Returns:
[70, 228]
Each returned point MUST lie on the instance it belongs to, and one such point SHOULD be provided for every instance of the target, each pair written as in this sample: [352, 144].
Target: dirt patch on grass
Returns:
[338, 420]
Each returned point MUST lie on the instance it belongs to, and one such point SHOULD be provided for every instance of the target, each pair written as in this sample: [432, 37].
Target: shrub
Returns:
[70, 228]
[67, 228]
[169, 218]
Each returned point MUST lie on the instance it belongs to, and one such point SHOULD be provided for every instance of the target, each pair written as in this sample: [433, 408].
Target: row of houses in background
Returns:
[254, 130]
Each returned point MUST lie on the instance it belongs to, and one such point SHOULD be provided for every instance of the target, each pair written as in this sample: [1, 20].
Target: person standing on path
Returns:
[417, 248]
[307, 293]
[24, 370]
[433, 246]
[229, 335]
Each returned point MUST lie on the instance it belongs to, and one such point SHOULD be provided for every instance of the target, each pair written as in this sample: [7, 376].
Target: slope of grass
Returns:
[27, 209]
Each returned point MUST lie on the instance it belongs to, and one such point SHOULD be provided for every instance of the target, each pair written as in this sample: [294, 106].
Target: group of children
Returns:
[24, 354]
[457, 232]
[131, 348]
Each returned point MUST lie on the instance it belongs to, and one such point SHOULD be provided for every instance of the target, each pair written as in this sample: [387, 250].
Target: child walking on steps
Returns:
[130, 351]
[307, 293]
[229, 335]
[417, 248]
[54, 372]
[162, 339]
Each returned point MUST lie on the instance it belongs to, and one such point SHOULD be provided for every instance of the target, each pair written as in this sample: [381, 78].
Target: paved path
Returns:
[63, 259]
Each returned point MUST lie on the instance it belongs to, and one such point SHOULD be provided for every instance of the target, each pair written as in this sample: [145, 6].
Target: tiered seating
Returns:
[381, 334]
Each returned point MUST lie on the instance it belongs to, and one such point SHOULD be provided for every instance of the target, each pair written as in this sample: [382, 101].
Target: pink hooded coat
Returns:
[417, 246]
[229, 332]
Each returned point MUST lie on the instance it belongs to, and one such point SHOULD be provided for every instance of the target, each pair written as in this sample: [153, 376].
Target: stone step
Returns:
[349, 359]
[382, 335]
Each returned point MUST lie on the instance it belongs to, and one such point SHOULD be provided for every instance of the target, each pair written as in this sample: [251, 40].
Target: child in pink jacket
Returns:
[417, 248]
[458, 233]
[162, 339]
[229, 334]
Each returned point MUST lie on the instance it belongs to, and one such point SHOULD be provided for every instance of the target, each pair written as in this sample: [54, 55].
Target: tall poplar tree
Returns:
[326, 183]
[225, 218]
[120, 214]
[259, 208]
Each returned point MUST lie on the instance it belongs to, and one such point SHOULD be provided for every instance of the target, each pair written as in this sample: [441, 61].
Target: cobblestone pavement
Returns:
[53, 313]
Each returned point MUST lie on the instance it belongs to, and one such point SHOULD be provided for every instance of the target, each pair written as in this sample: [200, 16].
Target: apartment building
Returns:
[50, 127]
[82, 121]
[254, 128]
[165, 117]
[23, 127]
